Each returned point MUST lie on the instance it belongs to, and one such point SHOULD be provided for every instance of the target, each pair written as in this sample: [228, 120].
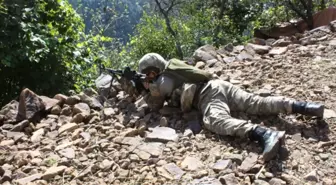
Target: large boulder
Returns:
[205, 53]
[103, 85]
[259, 49]
[9, 112]
[332, 25]
[30, 105]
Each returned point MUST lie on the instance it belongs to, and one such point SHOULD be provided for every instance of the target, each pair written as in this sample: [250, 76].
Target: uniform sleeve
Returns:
[159, 91]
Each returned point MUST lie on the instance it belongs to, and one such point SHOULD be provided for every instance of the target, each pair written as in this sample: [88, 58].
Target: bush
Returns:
[44, 48]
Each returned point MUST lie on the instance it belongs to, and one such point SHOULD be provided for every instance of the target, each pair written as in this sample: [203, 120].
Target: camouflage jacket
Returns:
[178, 85]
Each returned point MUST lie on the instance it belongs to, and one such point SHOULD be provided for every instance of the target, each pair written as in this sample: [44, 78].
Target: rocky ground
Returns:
[104, 137]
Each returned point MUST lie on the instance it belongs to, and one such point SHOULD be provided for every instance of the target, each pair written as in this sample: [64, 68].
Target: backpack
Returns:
[185, 73]
[189, 80]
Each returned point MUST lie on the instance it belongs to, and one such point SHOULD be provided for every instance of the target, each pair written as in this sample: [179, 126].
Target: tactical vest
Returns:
[184, 73]
[188, 79]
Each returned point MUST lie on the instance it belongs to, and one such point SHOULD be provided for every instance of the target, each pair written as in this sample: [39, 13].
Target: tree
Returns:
[165, 11]
[111, 18]
[304, 9]
[44, 48]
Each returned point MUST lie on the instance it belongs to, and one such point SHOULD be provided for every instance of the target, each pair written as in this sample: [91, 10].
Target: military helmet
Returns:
[150, 61]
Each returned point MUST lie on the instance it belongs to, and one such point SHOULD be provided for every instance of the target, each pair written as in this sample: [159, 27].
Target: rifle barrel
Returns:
[114, 71]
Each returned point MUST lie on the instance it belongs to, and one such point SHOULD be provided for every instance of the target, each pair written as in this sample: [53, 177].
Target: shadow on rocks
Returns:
[301, 126]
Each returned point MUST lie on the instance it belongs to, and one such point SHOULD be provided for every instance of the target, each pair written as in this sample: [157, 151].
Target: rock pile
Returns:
[107, 137]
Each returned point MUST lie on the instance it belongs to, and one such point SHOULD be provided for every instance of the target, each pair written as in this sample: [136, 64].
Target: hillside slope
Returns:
[105, 138]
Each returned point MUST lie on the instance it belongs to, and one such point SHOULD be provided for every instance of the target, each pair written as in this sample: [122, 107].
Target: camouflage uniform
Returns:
[186, 86]
[215, 101]
[219, 97]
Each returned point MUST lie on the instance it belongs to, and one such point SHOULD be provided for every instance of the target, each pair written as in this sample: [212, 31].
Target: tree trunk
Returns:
[220, 17]
[170, 29]
[307, 14]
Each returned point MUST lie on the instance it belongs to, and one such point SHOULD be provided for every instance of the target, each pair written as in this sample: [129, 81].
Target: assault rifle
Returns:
[132, 76]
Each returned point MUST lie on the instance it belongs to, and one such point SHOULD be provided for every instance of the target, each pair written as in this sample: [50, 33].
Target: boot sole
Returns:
[271, 154]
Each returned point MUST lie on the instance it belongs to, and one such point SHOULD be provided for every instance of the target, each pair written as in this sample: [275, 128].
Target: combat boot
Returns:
[269, 140]
[308, 108]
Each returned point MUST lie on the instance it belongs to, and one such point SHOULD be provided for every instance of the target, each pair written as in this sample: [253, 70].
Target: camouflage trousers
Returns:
[218, 98]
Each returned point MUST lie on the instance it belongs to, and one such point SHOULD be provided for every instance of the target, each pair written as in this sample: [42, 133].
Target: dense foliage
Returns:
[52, 46]
[43, 48]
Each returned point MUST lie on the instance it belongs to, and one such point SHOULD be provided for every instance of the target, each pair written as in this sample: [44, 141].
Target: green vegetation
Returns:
[53, 46]
[43, 47]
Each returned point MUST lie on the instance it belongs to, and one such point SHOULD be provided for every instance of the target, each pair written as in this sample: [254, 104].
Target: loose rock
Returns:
[162, 134]
[53, 171]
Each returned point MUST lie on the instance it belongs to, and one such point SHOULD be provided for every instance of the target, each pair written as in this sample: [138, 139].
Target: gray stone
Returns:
[8, 142]
[69, 127]
[15, 135]
[205, 181]
[106, 165]
[332, 25]
[30, 105]
[276, 181]
[259, 49]
[332, 42]
[154, 148]
[260, 182]
[281, 43]
[324, 156]
[174, 170]
[49, 102]
[328, 113]
[249, 162]
[61, 97]
[122, 173]
[202, 56]
[229, 47]
[211, 62]
[204, 53]
[162, 134]
[200, 65]
[108, 112]
[278, 51]
[6, 174]
[312, 176]
[72, 100]
[229, 59]
[229, 179]
[237, 158]
[142, 154]
[244, 56]
[56, 110]
[53, 171]
[78, 118]
[28, 179]
[10, 111]
[37, 135]
[221, 165]
[93, 102]
[192, 164]
[238, 48]
[68, 153]
[81, 108]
